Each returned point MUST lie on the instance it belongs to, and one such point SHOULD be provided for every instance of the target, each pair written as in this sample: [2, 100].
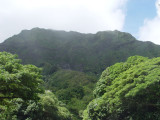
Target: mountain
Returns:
[90, 53]
[72, 61]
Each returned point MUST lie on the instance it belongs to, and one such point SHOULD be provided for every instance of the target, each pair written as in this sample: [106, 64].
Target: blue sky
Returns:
[141, 18]
[136, 12]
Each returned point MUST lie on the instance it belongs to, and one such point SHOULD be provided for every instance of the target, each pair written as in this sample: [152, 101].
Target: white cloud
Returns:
[150, 31]
[86, 16]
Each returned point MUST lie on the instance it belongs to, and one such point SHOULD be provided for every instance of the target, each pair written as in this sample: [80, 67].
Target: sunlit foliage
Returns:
[127, 91]
[21, 93]
[17, 80]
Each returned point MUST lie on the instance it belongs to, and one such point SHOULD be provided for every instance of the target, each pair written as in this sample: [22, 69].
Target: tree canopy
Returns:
[72, 88]
[21, 93]
[127, 90]
[17, 80]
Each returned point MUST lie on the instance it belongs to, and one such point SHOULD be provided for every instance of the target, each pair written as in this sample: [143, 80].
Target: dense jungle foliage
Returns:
[22, 96]
[73, 88]
[127, 91]
[71, 65]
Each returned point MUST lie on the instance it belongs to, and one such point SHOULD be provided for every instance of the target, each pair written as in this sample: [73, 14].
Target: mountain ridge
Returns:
[72, 62]
[77, 51]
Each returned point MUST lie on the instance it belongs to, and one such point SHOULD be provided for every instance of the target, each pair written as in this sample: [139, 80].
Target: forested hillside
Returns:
[71, 65]
[76, 51]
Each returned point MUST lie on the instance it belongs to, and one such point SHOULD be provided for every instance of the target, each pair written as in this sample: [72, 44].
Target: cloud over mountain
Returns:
[85, 16]
[150, 31]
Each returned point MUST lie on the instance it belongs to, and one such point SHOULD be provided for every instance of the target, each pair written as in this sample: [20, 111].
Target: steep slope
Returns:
[76, 51]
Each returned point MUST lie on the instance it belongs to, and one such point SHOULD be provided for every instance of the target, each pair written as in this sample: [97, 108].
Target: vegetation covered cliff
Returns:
[76, 51]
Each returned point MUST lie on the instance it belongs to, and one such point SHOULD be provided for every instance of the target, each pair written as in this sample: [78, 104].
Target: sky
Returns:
[141, 18]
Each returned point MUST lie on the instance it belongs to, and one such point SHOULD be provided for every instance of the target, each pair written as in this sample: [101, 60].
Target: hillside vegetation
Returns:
[73, 88]
[22, 96]
[127, 91]
[71, 65]
[76, 51]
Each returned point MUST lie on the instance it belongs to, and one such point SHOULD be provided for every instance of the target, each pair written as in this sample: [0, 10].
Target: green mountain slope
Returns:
[76, 51]
[73, 88]
[72, 61]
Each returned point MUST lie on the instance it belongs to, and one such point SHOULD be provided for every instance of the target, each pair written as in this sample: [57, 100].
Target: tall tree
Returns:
[17, 80]
[127, 91]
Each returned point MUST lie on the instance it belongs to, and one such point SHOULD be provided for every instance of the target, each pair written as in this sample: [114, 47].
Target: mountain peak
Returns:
[77, 51]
